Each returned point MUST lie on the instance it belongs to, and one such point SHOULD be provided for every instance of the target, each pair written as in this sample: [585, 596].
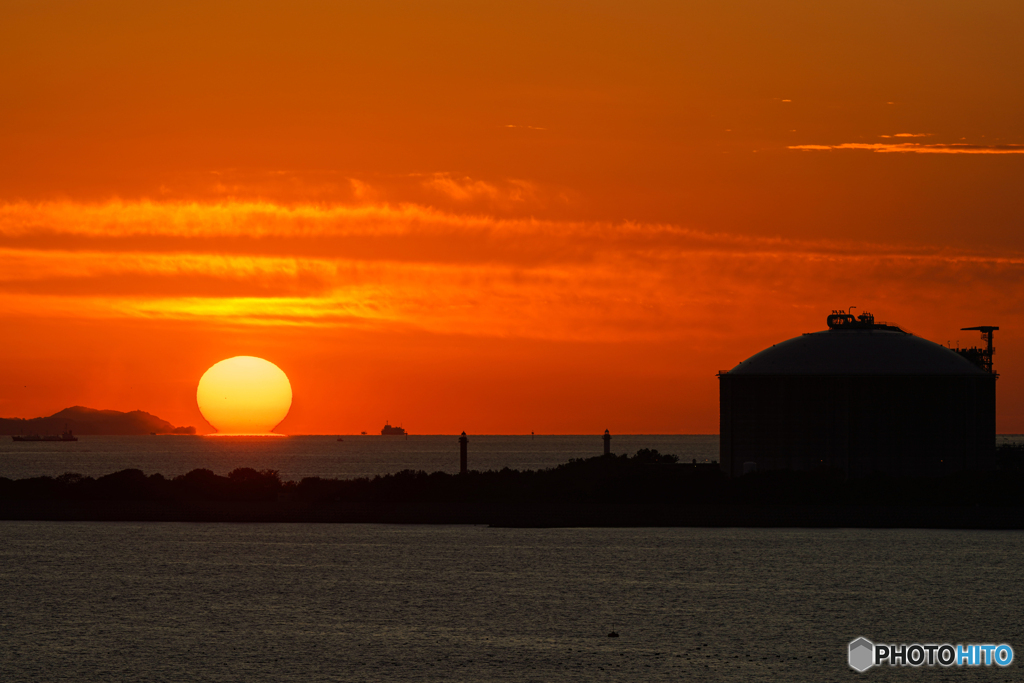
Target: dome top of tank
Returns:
[857, 346]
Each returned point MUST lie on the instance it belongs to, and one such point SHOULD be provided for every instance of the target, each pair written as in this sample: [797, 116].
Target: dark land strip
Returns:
[645, 490]
[524, 516]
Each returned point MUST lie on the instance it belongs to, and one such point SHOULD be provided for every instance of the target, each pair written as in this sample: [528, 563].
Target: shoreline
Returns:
[525, 516]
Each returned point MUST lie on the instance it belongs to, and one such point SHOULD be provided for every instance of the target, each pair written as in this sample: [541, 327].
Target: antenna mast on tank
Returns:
[985, 359]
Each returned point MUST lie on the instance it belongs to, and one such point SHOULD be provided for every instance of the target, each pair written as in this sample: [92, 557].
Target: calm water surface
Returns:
[296, 457]
[218, 602]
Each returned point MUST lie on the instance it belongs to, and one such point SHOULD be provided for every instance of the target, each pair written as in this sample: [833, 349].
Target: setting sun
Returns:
[499, 217]
[244, 395]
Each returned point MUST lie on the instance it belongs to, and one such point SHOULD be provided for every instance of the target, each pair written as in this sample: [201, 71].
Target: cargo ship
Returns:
[388, 430]
[65, 436]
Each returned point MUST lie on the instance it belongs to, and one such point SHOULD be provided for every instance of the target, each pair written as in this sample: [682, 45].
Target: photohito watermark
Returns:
[864, 654]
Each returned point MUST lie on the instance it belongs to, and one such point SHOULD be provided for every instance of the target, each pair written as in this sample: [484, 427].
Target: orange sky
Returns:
[495, 217]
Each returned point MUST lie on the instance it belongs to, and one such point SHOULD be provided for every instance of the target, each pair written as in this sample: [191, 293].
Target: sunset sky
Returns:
[496, 217]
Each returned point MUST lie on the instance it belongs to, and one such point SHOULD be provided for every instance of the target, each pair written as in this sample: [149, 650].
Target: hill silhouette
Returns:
[89, 422]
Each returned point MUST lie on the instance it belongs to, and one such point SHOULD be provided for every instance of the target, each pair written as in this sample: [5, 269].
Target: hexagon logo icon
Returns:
[862, 654]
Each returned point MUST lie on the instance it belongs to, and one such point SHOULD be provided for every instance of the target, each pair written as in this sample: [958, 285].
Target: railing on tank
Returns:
[841, 320]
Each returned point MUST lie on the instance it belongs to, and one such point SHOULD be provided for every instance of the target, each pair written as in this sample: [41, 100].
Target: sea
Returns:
[340, 457]
[333, 457]
[337, 602]
[116, 601]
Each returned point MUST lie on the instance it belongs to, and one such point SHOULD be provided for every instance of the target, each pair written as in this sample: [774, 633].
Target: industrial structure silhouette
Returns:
[863, 397]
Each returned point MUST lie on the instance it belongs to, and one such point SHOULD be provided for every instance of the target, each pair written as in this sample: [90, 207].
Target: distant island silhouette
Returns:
[646, 489]
[91, 422]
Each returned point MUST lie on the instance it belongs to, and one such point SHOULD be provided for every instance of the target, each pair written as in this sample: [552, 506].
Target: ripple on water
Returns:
[219, 602]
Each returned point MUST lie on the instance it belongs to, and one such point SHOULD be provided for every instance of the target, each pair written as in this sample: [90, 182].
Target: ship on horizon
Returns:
[388, 430]
[65, 436]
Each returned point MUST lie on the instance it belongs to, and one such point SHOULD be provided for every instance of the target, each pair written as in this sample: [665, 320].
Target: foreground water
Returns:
[217, 602]
[296, 457]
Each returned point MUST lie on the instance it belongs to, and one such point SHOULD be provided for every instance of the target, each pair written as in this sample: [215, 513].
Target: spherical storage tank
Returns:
[862, 397]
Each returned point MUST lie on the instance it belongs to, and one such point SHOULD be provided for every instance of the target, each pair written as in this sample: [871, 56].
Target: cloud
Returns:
[362, 191]
[917, 148]
[261, 236]
[461, 189]
[81, 274]
[410, 267]
[907, 135]
[466, 190]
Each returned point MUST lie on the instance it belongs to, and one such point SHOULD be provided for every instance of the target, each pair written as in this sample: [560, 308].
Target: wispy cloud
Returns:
[465, 189]
[461, 189]
[907, 135]
[917, 148]
[412, 267]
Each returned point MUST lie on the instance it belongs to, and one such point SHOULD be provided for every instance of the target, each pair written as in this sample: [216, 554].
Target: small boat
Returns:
[363, 433]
